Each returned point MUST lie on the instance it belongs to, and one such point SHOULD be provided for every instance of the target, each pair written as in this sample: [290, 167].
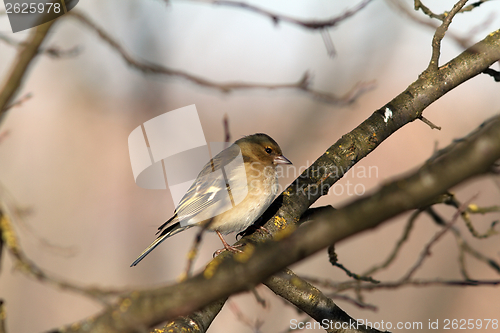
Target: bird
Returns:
[230, 193]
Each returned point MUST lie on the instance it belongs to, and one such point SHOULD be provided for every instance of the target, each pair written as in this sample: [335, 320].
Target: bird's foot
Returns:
[231, 248]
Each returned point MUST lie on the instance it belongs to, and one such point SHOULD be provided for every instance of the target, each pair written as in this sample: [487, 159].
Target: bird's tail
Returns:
[167, 232]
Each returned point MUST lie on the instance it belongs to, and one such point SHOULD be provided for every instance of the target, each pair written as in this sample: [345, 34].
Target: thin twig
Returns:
[401, 6]
[404, 237]
[427, 249]
[260, 300]
[431, 14]
[277, 18]
[419, 5]
[227, 133]
[474, 209]
[453, 201]
[473, 5]
[19, 102]
[429, 123]
[356, 285]
[255, 326]
[28, 267]
[356, 276]
[464, 246]
[493, 73]
[429, 282]
[52, 51]
[439, 35]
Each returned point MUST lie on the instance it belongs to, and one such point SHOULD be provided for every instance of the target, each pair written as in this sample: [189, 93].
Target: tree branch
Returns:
[24, 58]
[277, 18]
[440, 32]
[197, 322]
[313, 302]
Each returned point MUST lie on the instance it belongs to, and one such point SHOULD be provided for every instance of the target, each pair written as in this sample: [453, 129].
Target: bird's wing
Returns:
[208, 196]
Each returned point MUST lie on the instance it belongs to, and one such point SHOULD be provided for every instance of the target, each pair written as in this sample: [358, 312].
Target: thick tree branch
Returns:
[197, 322]
[313, 302]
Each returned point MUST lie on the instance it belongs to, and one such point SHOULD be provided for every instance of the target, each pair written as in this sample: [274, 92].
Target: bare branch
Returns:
[52, 51]
[312, 301]
[24, 59]
[427, 249]
[493, 73]
[463, 42]
[25, 265]
[353, 301]
[464, 246]
[242, 318]
[429, 123]
[419, 5]
[356, 276]
[277, 18]
[453, 201]
[439, 35]
[19, 102]
[429, 282]
[197, 322]
[427, 11]
[302, 85]
[473, 5]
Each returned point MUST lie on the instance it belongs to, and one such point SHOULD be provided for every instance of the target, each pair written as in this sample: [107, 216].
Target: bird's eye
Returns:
[269, 150]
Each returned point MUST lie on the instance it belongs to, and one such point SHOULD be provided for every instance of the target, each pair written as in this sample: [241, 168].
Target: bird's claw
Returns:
[231, 248]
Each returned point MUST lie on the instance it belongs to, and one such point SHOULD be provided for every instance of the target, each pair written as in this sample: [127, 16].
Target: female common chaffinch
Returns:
[230, 193]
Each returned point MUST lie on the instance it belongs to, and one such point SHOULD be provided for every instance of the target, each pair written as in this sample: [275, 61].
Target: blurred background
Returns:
[64, 157]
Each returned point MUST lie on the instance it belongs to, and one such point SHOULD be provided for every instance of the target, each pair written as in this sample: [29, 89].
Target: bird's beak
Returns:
[281, 160]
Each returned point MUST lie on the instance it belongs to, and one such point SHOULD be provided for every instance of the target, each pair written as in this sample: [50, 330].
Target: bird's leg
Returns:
[263, 230]
[227, 247]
